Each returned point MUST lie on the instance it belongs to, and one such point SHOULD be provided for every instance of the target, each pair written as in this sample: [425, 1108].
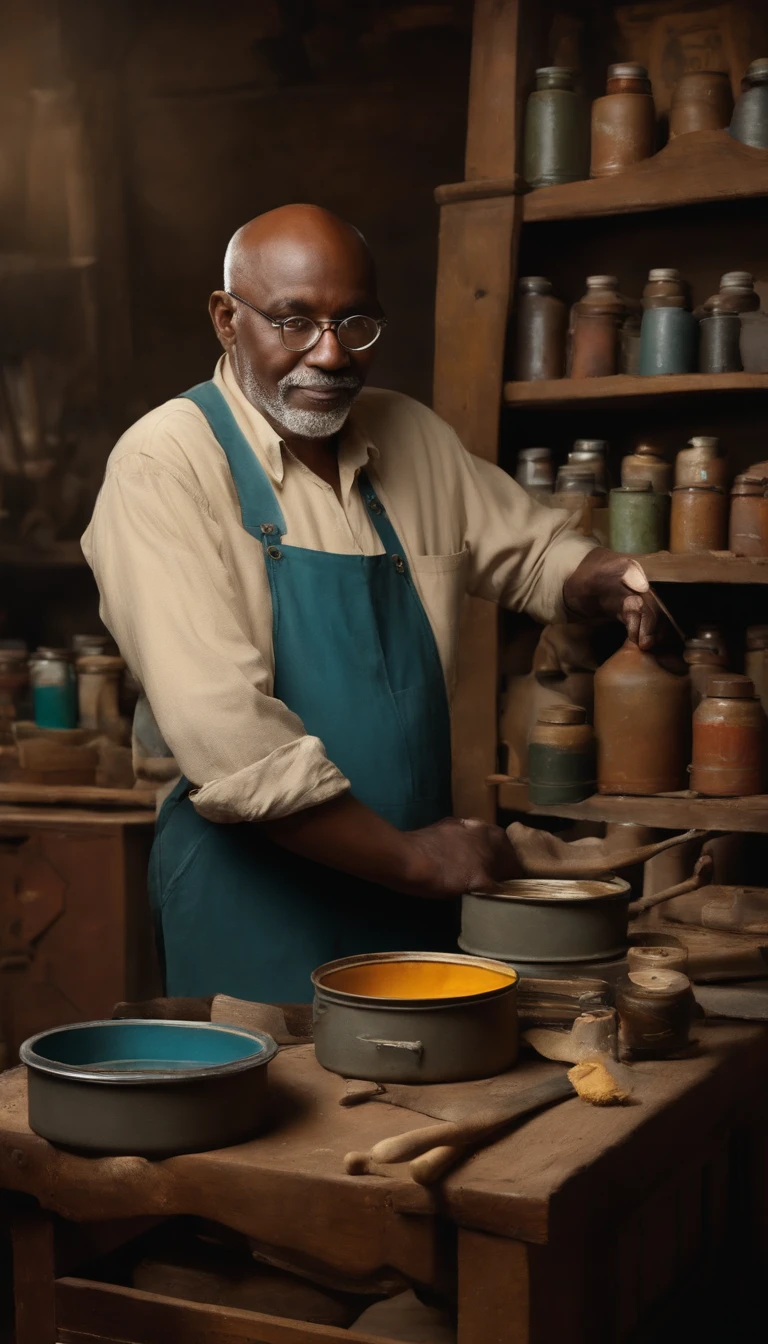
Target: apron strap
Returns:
[387, 534]
[259, 509]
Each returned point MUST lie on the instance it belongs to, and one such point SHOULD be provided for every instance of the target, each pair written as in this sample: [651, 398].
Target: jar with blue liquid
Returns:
[54, 688]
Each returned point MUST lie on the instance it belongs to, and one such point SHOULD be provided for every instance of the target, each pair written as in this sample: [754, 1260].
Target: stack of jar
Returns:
[62, 687]
[646, 733]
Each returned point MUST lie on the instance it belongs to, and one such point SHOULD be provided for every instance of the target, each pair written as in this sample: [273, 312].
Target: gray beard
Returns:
[304, 424]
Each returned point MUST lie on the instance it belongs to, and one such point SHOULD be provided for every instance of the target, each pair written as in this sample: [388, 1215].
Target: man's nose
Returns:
[328, 354]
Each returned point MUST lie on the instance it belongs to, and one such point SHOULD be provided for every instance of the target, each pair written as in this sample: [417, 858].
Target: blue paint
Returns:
[56, 706]
[127, 1047]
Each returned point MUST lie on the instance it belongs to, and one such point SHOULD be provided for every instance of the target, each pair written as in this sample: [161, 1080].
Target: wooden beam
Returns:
[33, 1275]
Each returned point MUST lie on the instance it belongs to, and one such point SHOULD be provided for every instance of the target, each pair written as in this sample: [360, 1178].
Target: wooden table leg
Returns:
[494, 1290]
[33, 1274]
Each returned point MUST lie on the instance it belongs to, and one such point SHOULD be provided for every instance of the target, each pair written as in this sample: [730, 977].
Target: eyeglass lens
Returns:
[354, 333]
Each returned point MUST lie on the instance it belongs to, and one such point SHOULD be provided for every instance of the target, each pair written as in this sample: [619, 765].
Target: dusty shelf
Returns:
[669, 811]
[625, 389]
[709, 567]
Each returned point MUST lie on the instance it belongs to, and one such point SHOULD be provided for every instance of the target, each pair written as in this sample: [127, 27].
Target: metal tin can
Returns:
[729, 738]
[561, 756]
[719, 337]
[54, 688]
[534, 471]
[540, 327]
[698, 519]
[667, 341]
[638, 520]
[556, 145]
[749, 122]
[748, 526]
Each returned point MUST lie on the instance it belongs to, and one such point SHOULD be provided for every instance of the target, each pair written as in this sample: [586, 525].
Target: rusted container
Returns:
[647, 466]
[642, 724]
[748, 525]
[638, 520]
[756, 661]
[623, 122]
[656, 1008]
[556, 130]
[541, 321]
[664, 288]
[595, 329]
[698, 520]
[704, 661]
[561, 756]
[719, 341]
[729, 740]
[701, 101]
[535, 471]
[702, 463]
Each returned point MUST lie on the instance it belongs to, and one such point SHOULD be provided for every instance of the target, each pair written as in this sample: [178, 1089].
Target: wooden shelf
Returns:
[708, 567]
[706, 166]
[561, 393]
[64, 553]
[86, 795]
[669, 811]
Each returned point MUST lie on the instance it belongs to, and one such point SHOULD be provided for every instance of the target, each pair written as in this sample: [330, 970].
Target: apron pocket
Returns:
[441, 582]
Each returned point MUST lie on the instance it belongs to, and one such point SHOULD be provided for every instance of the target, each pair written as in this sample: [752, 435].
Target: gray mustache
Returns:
[319, 379]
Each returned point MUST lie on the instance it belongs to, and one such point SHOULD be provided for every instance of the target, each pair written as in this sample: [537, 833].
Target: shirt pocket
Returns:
[441, 582]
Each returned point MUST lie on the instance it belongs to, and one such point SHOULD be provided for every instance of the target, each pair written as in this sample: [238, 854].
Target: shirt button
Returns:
[274, 553]
[267, 529]
[374, 506]
[399, 563]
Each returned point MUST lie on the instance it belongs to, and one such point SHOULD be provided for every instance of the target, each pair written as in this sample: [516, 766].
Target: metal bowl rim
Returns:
[77, 1073]
[613, 955]
[339, 996]
[621, 892]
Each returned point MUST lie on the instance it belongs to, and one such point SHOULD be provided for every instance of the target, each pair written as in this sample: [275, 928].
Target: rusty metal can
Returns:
[561, 756]
[729, 729]
[699, 519]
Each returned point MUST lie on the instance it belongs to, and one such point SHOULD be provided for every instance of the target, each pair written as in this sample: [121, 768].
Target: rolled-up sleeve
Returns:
[167, 598]
[521, 552]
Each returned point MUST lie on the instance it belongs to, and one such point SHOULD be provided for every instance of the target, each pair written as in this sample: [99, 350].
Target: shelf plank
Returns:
[691, 170]
[561, 393]
[671, 811]
[84, 794]
[708, 567]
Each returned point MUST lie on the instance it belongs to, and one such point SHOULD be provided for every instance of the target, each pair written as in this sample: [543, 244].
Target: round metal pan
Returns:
[147, 1088]
[535, 920]
[415, 1017]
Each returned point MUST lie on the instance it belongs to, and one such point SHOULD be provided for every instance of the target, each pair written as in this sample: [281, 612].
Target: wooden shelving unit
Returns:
[668, 811]
[627, 391]
[490, 226]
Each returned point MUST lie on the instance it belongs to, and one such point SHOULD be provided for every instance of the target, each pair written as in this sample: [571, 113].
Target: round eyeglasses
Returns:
[302, 333]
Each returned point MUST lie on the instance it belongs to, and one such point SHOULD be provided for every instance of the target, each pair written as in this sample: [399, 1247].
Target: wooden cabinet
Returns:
[700, 204]
[75, 927]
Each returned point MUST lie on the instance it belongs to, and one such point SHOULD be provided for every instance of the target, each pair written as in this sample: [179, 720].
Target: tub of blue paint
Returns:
[148, 1088]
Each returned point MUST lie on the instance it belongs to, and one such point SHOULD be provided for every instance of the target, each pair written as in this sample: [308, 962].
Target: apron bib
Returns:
[356, 660]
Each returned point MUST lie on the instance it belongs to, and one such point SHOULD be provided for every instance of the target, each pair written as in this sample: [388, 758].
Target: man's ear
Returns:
[222, 310]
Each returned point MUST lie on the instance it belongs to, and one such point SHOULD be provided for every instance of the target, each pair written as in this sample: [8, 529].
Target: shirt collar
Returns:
[356, 448]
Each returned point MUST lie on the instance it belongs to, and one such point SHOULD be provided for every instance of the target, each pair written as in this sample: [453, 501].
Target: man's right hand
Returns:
[456, 855]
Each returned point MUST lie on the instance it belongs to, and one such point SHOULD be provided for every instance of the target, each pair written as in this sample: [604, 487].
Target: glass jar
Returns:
[54, 688]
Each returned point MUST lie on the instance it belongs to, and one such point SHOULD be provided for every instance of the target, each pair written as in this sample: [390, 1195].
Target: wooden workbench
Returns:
[574, 1228]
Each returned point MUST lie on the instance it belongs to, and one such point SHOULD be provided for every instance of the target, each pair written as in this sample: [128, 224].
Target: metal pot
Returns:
[547, 920]
[146, 1088]
[415, 1017]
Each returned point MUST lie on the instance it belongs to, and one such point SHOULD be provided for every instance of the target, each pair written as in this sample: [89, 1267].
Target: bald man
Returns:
[282, 557]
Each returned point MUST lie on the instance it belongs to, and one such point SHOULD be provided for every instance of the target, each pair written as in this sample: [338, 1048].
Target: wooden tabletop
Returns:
[288, 1187]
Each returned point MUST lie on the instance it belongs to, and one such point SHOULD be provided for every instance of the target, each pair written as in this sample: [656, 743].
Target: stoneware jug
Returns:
[642, 724]
[702, 101]
[623, 122]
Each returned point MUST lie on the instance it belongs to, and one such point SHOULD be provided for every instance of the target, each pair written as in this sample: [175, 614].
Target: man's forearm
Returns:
[347, 835]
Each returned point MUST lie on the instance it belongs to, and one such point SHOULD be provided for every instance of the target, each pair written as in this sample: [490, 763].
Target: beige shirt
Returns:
[184, 588]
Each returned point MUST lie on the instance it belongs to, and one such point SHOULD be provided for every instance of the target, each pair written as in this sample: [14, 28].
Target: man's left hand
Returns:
[607, 583]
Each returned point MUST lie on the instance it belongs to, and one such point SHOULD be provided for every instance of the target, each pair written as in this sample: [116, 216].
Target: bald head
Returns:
[297, 263]
[296, 241]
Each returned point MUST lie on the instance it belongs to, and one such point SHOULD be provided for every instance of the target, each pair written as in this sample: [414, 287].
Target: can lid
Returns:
[534, 284]
[602, 281]
[53, 655]
[737, 280]
[664, 273]
[660, 981]
[555, 76]
[590, 445]
[562, 714]
[627, 70]
[731, 687]
[642, 488]
[534, 454]
[705, 441]
[758, 70]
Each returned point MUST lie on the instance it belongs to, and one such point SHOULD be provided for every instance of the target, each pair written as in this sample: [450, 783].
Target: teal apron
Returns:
[356, 660]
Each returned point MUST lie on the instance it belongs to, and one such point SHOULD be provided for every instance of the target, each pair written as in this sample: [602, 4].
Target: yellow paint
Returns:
[417, 980]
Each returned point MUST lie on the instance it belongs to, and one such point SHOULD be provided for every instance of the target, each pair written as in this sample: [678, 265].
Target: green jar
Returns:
[556, 131]
[638, 520]
[561, 757]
